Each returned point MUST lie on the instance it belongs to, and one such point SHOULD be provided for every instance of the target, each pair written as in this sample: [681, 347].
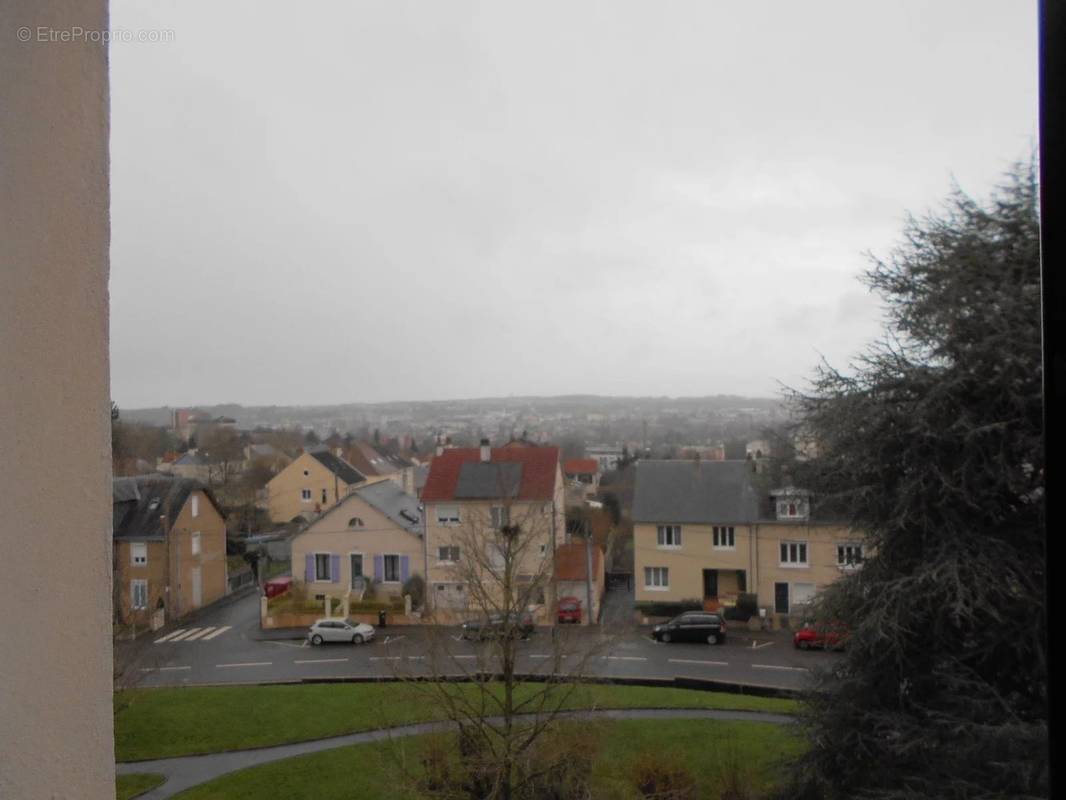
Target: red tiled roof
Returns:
[539, 465]
[579, 466]
[571, 560]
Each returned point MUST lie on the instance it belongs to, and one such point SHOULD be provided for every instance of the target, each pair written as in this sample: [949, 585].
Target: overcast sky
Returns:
[366, 201]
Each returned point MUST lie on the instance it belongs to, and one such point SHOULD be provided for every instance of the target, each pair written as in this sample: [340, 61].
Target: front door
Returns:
[197, 588]
[357, 571]
[781, 598]
[710, 583]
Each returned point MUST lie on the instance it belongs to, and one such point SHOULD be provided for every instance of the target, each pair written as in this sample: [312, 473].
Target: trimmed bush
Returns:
[668, 609]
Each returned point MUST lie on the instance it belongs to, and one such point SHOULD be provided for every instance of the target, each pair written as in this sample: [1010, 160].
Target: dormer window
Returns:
[791, 503]
[355, 522]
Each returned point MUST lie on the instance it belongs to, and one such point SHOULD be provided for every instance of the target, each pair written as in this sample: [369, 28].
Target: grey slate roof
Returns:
[394, 503]
[695, 492]
[338, 466]
[480, 481]
[138, 503]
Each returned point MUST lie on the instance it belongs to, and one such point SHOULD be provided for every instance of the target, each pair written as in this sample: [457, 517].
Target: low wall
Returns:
[296, 619]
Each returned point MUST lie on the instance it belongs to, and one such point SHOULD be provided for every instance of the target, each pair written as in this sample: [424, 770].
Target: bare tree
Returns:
[507, 717]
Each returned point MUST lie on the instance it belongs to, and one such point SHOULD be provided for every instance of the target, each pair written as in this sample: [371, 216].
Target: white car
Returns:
[339, 630]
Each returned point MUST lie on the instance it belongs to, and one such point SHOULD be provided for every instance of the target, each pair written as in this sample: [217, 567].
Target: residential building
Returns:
[169, 539]
[374, 463]
[571, 576]
[373, 534]
[189, 465]
[585, 472]
[711, 530]
[606, 457]
[267, 454]
[469, 494]
[310, 484]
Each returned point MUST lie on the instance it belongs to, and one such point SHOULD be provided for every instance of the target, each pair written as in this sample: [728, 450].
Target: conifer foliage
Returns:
[931, 443]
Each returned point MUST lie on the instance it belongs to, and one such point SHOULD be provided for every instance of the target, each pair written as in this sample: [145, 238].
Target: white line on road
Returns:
[170, 636]
[755, 646]
[384, 658]
[694, 661]
[246, 664]
[186, 635]
[394, 638]
[319, 660]
[219, 632]
[625, 658]
[777, 666]
[469, 656]
[162, 669]
[416, 658]
[198, 635]
[543, 655]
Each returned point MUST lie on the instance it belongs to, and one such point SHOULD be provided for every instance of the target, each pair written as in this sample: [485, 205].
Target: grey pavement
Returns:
[185, 772]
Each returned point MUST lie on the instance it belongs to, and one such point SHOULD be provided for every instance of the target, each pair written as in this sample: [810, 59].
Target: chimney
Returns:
[486, 451]
[440, 445]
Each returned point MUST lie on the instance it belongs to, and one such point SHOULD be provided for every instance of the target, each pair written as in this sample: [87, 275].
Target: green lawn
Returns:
[706, 747]
[129, 786]
[161, 723]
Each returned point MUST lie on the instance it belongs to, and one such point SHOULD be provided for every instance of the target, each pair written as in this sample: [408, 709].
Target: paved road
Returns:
[187, 771]
[223, 646]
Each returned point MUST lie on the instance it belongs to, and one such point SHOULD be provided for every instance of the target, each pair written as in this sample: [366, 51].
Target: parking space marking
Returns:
[695, 661]
[778, 666]
[219, 632]
[245, 664]
[319, 660]
[170, 636]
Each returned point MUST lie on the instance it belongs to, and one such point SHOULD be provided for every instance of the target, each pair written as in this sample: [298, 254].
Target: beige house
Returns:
[708, 531]
[470, 493]
[169, 548]
[373, 536]
[309, 485]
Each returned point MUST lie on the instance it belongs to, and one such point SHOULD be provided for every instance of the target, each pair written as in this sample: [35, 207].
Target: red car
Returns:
[569, 610]
[829, 637]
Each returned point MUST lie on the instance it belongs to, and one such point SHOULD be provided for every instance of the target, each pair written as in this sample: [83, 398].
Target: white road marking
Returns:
[777, 666]
[246, 664]
[219, 632]
[694, 661]
[169, 636]
[287, 644]
[394, 638]
[319, 660]
[198, 635]
[162, 669]
[461, 656]
[186, 635]
[457, 638]
[416, 658]
[384, 658]
[625, 658]
[755, 646]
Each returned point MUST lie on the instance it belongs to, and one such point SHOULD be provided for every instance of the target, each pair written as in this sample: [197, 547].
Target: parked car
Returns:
[829, 636]
[339, 630]
[569, 611]
[692, 626]
[496, 625]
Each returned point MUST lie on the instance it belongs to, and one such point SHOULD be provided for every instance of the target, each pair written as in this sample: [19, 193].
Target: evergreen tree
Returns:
[932, 444]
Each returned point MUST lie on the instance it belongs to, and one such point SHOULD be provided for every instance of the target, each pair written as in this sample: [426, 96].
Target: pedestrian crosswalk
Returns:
[192, 635]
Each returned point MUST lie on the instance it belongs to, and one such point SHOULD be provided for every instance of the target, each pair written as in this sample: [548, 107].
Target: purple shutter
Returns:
[379, 568]
[335, 568]
[310, 570]
[405, 568]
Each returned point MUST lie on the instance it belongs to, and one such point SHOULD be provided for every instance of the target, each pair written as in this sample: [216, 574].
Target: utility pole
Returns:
[588, 571]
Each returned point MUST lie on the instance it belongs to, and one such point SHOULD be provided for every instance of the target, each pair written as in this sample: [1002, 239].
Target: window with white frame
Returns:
[657, 578]
[322, 570]
[724, 537]
[500, 516]
[448, 554]
[196, 505]
[669, 536]
[447, 515]
[849, 554]
[138, 594]
[305, 495]
[138, 553]
[392, 569]
[196, 543]
[793, 554]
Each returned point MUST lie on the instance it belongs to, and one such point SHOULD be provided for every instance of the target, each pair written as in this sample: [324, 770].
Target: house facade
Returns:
[469, 495]
[709, 531]
[371, 538]
[583, 476]
[169, 547]
[573, 579]
[309, 485]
